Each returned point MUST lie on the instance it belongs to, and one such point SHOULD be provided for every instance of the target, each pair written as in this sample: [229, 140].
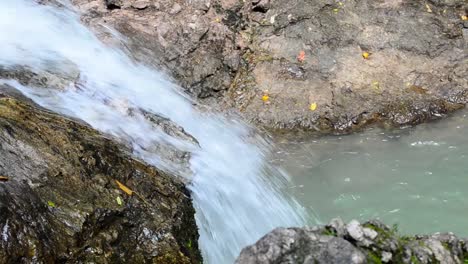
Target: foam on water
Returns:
[236, 194]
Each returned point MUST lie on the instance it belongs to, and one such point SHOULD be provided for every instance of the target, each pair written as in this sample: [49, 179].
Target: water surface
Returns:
[414, 177]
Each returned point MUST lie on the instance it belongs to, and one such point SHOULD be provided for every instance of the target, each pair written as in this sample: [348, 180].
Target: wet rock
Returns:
[192, 41]
[62, 203]
[326, 244]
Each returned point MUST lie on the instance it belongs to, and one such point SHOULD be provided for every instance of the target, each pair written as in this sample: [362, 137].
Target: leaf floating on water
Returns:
[301, 56]
[124, 188]
[119, 200]
[3, 178]
[51, 204]
[313, 106]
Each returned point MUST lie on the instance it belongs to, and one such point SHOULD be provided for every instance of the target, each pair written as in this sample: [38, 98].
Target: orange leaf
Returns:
[301, 56]
[124, 188]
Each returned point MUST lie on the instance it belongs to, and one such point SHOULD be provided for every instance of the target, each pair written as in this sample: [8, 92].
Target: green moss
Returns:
[373, 258]
[189, 244]
[414, 260]
[446, 245]
[329, 232]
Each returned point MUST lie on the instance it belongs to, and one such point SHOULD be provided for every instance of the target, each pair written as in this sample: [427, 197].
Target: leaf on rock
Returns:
[124, 188]
[428, 8]
[119, 200]
[301, 56]
[366, 55]
[376, 85]
[313, 106]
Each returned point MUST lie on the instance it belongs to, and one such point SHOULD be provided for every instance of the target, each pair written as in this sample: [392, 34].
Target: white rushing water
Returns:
[236, 194]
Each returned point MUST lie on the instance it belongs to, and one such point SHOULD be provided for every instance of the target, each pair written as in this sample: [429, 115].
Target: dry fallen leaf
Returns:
[365, 55]
[124, 188]
[428, 8]
[301, 56]
[4, 178]
[313, 106]
[376, 85]
[464, 18]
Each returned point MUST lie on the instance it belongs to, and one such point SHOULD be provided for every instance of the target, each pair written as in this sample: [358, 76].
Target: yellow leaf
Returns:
[340, 3]
[50, 203]
[336, 10]
[376, 85]
[464, 18]
[119, 200]
[265, 98]
[365, 55]
[3, 178]
[124, 188]
[313, 106]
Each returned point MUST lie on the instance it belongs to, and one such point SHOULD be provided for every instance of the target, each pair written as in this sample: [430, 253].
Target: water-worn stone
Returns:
[326, 245]
[62, 202]
[302, 53]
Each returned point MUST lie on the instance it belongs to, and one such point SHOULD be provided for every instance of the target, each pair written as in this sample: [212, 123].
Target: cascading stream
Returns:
[236, 194]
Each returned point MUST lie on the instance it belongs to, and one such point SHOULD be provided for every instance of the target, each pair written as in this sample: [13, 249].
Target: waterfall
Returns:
[235, 192]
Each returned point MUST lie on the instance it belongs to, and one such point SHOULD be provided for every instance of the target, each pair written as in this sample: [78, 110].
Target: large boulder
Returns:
[73, 195]
[325, 65]
[371, 242]
[336, 66]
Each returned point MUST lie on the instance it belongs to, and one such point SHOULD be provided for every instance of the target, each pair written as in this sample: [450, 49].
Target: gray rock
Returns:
[294, 245]
[355, 230]
[230, 52]
[319, 245]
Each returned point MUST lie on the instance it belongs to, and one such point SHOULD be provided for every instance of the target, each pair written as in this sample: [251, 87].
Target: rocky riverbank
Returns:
[371, 242]
[69, 194]
[326, 65]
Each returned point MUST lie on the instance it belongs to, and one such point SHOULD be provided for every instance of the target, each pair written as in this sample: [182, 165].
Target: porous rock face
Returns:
[305, 56]
[371, 242]
[62, 202]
